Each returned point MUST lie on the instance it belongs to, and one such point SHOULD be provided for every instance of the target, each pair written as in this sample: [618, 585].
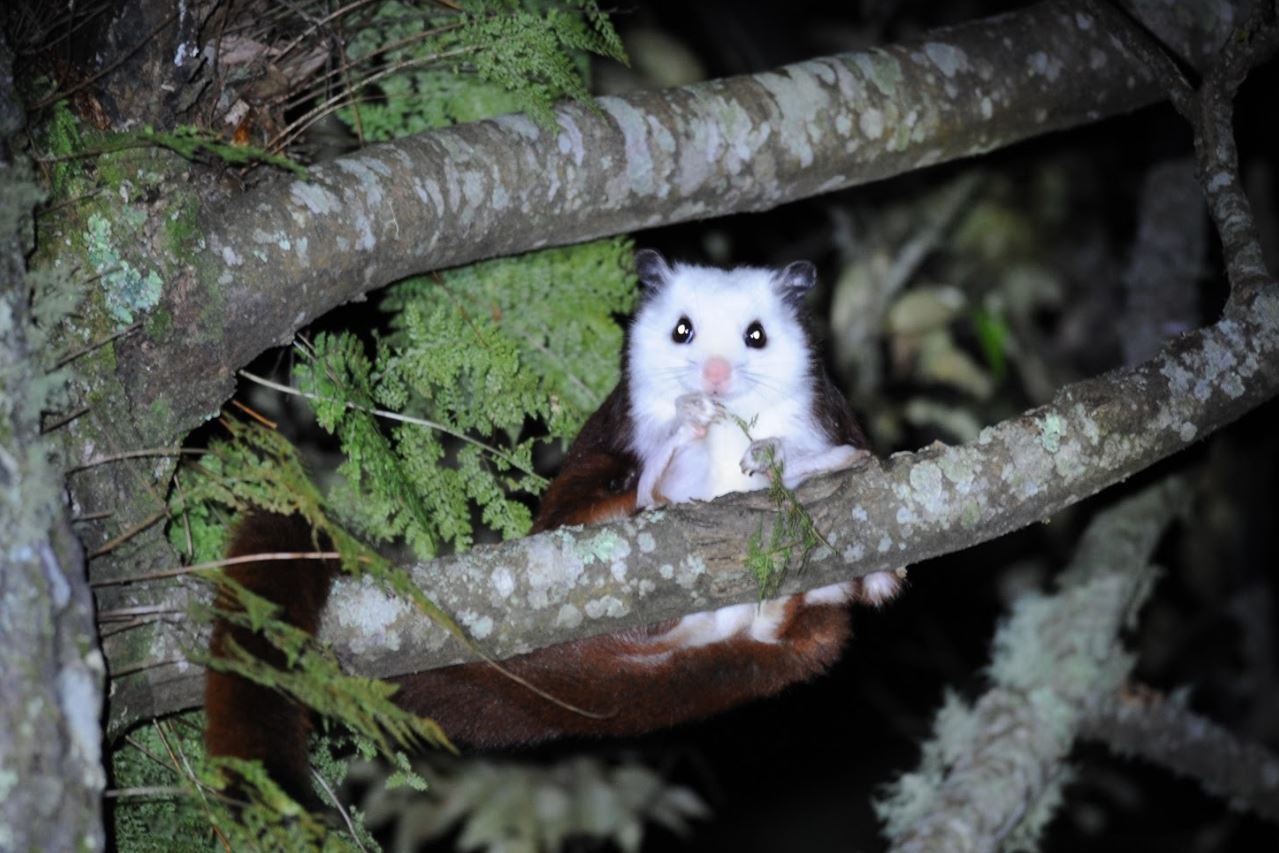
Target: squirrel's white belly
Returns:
[726, 443]
[710, 467]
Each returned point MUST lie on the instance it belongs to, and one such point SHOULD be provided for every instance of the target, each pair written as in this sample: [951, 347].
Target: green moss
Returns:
[794, 535]
[159, 323]
[110, 172]
[61, 139]
[160, 411]
[182, 227]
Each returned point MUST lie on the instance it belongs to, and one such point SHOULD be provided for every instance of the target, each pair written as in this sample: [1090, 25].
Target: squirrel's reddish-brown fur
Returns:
[244, 719]
[612, 676]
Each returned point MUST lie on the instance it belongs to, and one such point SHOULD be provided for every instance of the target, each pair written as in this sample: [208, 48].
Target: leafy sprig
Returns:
[794, 535]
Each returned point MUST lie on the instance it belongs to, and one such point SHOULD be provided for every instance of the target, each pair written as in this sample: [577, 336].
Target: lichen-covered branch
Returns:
[994, 769]
[289, 252]
[1164, 731]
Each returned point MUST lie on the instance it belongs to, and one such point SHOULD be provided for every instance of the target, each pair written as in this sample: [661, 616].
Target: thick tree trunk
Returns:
[51, 775]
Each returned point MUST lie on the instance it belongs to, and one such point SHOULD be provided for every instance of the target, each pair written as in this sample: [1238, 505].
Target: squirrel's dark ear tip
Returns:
[652, 268]
[800, 275]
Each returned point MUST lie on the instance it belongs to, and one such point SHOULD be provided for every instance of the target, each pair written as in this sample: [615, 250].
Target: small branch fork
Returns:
[1209, 108]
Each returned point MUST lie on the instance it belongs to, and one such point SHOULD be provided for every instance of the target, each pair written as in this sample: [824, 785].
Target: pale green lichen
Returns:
[618, 570]
[806, 103]
[608, 605]
[503, 581]
[367, 614]
[881, 69]
[640, 175]
[741, 136]
[959, 468]
[477, 625]
[1051, 429]
[315, 198]
[1045, 65]
[1070, 463]
[603, 547]
[690, 569]
[871, 123]
[1027, 833]
[126, 290]
[949, 59]
[929, 490]
[853, 553]
[8, 779]
[910, 797]
[569, 617]
[78, 698]
[554, 565]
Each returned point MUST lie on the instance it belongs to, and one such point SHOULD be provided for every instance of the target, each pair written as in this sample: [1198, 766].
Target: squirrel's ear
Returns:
[652, 268]
[798, 277]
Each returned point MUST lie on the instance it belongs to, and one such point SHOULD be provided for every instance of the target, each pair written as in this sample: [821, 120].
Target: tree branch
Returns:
[989, 767]
[289, 252]
[1165, 732]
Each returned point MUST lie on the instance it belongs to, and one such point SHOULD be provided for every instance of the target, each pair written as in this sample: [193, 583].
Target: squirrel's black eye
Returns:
[755, 337]
[683, 331]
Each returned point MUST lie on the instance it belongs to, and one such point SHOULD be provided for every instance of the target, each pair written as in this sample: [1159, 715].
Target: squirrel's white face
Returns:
[731, 334]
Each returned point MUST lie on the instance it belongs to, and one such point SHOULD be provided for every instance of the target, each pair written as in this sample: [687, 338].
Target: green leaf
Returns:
[992, 334]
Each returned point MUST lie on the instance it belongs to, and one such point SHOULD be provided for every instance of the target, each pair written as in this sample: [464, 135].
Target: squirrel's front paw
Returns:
[696, 412]
[762, 455]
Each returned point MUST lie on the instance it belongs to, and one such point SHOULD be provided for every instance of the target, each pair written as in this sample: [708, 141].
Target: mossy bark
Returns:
[51, 777]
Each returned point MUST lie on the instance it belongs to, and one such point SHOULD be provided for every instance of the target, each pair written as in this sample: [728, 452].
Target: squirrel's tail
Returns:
[244, 719]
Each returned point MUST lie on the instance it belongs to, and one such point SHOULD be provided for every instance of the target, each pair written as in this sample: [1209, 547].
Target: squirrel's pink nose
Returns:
[716, 374]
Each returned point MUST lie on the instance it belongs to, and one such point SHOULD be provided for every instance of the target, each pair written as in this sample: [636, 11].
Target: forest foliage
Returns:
[438, 413]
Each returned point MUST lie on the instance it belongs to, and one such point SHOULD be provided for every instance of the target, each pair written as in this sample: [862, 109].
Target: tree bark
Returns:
[992, 765]
[1163, 731]
[276, 259]
[51, 779]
